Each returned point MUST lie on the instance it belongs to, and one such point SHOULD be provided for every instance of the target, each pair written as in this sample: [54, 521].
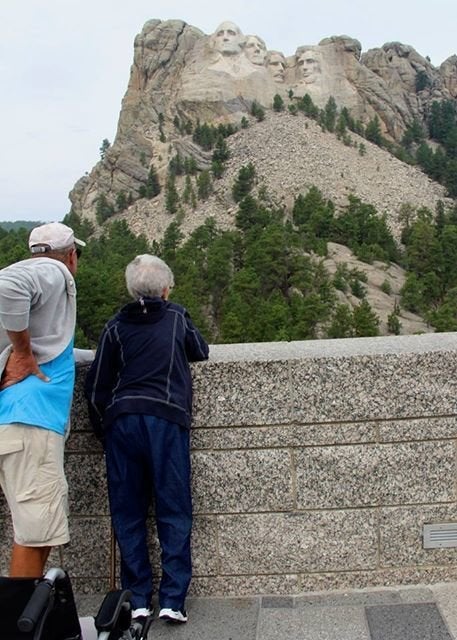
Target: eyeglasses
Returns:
[78, 252]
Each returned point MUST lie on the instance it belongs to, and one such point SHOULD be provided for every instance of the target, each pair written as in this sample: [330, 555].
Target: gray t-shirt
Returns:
[38, 294]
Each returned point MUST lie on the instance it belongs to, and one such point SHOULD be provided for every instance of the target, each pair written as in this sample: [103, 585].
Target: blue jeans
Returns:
[148, 457]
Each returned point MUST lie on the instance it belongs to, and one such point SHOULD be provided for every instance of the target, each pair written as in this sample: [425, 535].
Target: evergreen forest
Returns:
[264, 280]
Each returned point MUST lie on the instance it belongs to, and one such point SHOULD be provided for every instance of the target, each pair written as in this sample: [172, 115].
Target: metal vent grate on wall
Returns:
[440, 536]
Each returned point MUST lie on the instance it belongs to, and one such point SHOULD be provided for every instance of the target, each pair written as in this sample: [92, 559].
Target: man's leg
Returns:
[33, 481]
[28, 562]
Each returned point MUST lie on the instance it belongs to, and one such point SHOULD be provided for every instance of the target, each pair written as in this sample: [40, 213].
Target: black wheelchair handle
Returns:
[35, 606]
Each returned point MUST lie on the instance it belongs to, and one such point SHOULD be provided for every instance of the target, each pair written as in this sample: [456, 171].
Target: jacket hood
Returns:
[143, 311]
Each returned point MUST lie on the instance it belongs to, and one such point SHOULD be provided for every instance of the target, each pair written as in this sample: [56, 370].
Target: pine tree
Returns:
[373, 132]
[176, 165]
[204, 185]
[170, 242]
[152, 187]
[121, 201]
[278, 103]
[171, 195]
[342, 323]
[257, 111]
[217, 168]
[106, 144]
[422, 80]
[188, 191]
[366, 322]
[221, 151]
[221, 154]
[393, 323]
[308, 107]
[330, 113]
[104, 209]
[244, 182]
[190, 166]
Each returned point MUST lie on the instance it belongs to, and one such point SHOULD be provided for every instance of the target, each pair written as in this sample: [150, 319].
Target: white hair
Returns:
[148, 276]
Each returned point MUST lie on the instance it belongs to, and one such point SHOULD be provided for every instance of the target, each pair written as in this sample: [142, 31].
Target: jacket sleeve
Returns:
[196, 346]
[100, 381]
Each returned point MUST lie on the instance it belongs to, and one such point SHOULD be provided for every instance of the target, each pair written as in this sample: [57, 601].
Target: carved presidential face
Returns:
[308, 64]
[255, 50]
[228, 39]
[276, 65]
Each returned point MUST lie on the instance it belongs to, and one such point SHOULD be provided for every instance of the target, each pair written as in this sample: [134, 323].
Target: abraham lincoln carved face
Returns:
[308, 63]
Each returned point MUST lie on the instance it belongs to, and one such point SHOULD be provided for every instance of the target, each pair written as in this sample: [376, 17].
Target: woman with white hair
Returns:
[139, 391]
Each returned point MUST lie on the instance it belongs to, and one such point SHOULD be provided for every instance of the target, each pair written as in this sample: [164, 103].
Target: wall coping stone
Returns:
[333, 348]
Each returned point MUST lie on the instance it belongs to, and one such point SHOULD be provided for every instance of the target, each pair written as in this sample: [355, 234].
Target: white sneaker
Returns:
[173, 615]
[141, 621]
[143, 612]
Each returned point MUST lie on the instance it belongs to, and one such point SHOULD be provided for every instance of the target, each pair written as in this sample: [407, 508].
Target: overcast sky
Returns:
[64, 68]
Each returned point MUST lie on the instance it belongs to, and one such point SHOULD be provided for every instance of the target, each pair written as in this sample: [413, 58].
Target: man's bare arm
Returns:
[21, 362]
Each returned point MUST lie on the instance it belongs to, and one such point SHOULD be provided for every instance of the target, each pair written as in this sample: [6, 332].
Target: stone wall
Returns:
[315, 466]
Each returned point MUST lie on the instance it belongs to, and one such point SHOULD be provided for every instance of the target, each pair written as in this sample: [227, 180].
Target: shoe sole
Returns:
[172, 620]
[141, 633]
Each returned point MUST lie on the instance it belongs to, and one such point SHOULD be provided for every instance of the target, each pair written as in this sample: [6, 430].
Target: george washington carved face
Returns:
[255, 50]
[227, 39]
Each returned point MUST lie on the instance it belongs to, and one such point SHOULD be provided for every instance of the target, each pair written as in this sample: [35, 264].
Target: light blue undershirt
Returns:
[42, 404]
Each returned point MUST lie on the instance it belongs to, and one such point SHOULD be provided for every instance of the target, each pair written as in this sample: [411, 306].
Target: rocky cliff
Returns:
[181, 74]
[179, 71]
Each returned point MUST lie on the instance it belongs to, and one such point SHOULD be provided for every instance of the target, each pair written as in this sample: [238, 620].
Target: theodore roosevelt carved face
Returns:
[276, 65]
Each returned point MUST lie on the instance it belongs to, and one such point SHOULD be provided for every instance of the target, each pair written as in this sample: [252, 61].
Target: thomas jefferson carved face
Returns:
[255, 50]
[227, 39]
[276, 64]
[308, 63]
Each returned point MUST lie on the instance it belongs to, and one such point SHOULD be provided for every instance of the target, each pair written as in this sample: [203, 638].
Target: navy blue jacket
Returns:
[142, 364]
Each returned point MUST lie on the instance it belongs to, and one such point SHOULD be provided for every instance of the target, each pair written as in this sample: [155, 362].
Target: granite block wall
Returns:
[315, 466]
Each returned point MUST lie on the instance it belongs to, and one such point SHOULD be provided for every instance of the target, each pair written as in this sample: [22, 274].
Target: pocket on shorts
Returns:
[42, 515]
[44, 493]
[9, 443]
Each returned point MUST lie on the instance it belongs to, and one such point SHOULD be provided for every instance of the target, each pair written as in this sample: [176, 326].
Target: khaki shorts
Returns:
[33, 481]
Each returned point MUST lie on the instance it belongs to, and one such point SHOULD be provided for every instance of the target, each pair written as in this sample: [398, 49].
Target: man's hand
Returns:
[19, 367]
[22, 362]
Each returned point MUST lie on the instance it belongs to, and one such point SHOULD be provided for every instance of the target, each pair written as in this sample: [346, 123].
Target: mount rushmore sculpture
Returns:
[178, 71]
[226, 69]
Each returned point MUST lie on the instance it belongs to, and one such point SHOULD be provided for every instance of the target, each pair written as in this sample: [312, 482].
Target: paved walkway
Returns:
[403, 613]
